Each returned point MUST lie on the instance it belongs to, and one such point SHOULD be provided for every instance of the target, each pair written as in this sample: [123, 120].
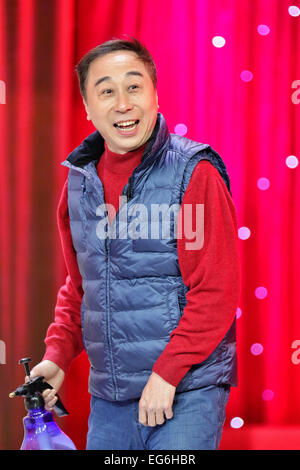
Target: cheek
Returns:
[152, 105]
[97, 106]
[97, 110]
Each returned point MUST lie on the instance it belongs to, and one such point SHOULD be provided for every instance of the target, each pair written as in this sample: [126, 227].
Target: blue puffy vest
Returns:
[134, 293]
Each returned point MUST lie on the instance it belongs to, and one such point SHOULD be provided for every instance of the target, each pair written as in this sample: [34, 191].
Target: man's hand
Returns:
[156, 401]
[54, 375]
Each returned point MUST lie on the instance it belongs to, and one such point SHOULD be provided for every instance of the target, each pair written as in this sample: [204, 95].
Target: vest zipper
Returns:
[106, 251]
[83, 185]
[107, 260]
[129, 192]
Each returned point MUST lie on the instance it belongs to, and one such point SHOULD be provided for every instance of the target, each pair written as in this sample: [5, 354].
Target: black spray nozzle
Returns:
[33, 389]
[25, 361]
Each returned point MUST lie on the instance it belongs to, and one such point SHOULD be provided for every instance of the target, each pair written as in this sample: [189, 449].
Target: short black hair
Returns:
[113, 45]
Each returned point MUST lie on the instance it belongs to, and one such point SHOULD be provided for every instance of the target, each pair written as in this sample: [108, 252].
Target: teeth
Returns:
[126, 123]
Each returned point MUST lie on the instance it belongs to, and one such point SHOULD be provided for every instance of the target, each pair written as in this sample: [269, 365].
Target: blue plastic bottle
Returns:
[40, 430]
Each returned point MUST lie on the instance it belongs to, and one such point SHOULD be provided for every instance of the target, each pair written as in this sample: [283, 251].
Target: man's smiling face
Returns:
[121, 100]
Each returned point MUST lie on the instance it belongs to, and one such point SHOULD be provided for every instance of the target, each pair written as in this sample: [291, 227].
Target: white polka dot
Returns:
[294, 10]
[237, 422]
[291, 161]
[244, 233]
[218, 41]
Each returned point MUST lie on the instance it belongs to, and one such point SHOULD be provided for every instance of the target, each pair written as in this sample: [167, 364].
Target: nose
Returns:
[123, 103]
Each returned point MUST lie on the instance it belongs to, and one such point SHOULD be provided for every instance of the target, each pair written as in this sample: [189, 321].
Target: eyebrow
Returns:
[132, 72]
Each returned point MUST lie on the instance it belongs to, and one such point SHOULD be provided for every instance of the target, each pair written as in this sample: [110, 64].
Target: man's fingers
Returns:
[49, 406]
[49, 393]
[143, 416]
[151, 418]
[50, 398]
[169, 413]
[160, 419]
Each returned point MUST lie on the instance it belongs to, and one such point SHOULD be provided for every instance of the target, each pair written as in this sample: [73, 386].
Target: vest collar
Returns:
[92, 147]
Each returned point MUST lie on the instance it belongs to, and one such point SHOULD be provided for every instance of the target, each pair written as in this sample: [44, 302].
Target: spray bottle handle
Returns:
[59, 408]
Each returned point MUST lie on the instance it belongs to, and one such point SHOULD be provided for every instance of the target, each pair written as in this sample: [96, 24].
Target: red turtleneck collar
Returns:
[121, 164]
[114, 170]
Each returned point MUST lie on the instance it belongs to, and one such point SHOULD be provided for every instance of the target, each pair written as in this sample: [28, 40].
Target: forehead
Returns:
[116, 64]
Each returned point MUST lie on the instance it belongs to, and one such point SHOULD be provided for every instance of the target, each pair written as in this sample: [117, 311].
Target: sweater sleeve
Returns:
[211, 273]
[64, 338]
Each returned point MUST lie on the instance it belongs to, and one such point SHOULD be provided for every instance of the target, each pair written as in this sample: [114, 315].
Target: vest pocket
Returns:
[174, 308]
[79, 232]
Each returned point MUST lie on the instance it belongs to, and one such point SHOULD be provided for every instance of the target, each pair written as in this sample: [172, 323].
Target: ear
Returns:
[156, 99]
[86, 109]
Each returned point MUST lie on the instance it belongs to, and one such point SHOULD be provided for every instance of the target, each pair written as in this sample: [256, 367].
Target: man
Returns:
[155, 313]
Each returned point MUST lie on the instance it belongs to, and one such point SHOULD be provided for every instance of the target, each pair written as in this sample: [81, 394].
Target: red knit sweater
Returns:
[211, 273]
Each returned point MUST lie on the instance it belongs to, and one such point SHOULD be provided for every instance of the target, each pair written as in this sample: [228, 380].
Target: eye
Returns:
[133, 87]
[107, 92]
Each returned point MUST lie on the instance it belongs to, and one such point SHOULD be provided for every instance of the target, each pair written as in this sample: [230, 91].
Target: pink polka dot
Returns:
[263, 183]
[180, 129]
[256, 349]
[268, 395]
[246, 76]
[261, 292]
[263, 29]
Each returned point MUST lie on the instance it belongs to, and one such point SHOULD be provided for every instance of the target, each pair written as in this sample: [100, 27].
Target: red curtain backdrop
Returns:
[242, 96]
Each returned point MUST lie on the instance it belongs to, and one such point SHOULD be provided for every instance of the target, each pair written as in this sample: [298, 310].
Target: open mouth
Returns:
[127, 125]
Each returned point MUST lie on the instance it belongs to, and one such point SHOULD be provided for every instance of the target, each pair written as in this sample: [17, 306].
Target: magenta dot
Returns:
[238, 313]
[261, 292]
[256, 349]
[263, 183]
[267, 395]
[263, 29]
[246, 75]
[180, 129]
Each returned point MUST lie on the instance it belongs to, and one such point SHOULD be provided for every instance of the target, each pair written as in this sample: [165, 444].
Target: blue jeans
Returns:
[197, 423]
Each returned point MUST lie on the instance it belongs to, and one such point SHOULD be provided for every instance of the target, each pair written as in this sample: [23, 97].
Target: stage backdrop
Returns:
[228, 75]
